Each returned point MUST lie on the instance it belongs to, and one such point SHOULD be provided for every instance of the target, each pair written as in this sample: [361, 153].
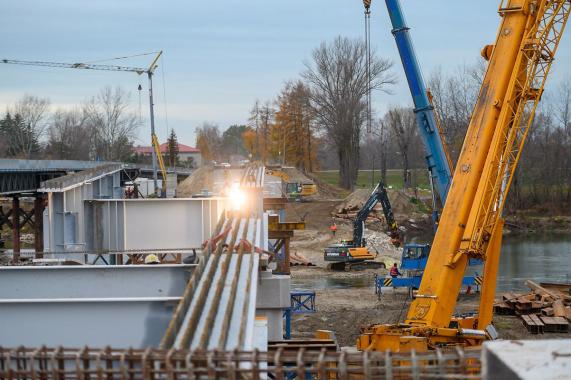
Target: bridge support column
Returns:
[38, 224]
[16, 229]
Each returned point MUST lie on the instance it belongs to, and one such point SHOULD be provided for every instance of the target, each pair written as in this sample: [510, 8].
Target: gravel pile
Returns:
[382, 243]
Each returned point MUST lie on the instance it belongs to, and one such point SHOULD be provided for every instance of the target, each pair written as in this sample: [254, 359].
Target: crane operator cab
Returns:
[414, 256]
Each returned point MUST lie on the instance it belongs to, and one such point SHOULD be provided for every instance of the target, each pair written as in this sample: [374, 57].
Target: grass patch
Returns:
[365, 178]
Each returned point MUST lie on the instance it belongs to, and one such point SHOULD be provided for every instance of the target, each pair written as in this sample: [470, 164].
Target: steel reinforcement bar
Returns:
[154, 364]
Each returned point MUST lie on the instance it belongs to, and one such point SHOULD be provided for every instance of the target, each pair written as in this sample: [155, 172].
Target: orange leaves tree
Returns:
[292, 133]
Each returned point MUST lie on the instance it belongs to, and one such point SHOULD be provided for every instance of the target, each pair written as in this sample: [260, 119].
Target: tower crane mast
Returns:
[156, 154]
[471, 224]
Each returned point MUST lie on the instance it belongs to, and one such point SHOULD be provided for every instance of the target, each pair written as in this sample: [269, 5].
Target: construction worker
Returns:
[394, 272]
[152, 259]
[333, 228]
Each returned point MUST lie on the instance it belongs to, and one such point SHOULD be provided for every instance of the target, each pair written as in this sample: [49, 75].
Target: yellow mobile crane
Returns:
[471, 224]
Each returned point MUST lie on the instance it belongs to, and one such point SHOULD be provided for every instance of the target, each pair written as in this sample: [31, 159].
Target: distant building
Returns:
[187, 155]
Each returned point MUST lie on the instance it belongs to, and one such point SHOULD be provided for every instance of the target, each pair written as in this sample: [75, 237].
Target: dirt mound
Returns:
[295, 175]
[195, 183]
[401, 203]
[354, 201]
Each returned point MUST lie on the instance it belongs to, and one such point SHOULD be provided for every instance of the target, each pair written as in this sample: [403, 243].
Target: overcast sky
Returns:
[220, 56]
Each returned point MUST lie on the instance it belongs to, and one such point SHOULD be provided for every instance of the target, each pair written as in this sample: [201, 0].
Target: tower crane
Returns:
[156, 154]
[471, 225]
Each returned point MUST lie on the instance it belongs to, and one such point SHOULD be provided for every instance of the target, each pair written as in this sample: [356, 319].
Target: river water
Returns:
[541, 258]
[534, 257]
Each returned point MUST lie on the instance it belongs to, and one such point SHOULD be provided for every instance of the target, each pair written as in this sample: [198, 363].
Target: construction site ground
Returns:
[346, 301]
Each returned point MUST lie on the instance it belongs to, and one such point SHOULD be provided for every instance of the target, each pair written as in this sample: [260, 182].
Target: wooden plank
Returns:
[558, 308]
[539, 289]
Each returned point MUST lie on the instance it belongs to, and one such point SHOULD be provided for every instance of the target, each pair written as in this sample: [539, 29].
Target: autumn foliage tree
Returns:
[249, 140]
[292, 134]
[209, 141]
[261, 121]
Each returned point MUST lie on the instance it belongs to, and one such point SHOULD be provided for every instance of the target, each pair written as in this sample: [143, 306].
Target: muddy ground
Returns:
[346, 301]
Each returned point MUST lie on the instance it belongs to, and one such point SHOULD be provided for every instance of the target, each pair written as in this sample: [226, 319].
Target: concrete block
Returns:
[273, 291]
[526, 359]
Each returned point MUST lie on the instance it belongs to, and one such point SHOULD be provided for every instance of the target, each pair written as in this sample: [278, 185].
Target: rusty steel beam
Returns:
[152, 364]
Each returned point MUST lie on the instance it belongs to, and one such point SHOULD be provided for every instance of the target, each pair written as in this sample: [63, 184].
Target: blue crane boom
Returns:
[438, 163]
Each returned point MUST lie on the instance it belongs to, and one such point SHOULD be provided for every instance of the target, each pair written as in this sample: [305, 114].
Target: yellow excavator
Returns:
[471, 224]
[295, 190]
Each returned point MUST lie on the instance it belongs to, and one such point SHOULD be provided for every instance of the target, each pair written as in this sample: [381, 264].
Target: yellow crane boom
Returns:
[471, 223]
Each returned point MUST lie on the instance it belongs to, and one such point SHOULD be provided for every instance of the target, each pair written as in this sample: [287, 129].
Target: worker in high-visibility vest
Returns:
[394, 272]
[333, 228]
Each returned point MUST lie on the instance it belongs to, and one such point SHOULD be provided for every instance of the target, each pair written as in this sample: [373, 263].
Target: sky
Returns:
[219, 57]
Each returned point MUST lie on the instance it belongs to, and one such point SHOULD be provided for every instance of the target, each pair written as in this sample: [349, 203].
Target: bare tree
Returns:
[338, 80]
[402, 123]
[454, 99]
[113, 126]
[267, 114]
[563, 105]
[68, 136]
[33, 111]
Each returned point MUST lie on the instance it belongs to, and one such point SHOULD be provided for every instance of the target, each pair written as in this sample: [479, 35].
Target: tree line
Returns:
[543, 176]
[102, 128]
[325, 106]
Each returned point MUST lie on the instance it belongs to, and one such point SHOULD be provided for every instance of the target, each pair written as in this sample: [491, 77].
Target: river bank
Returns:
[524, 224]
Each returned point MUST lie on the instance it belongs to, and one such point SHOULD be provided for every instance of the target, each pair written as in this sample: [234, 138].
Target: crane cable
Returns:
[118, 58]
[367, 4]
[139, 88]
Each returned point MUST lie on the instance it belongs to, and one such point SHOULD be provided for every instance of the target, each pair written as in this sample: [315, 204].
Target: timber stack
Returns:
[547, 308]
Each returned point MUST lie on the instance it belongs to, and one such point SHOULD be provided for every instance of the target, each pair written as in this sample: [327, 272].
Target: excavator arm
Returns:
[379, 194]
